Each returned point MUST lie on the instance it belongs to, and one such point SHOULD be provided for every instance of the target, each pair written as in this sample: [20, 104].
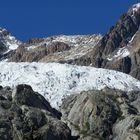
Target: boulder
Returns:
[25, 114]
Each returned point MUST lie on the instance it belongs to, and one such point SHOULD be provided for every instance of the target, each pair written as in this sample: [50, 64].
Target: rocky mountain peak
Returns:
[120, 34]
[8, 43]
[134, 13]
[115, 45]
[3, 32]
[134, 9]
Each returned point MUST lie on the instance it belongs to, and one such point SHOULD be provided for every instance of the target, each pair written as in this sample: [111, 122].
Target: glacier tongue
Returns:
[55, 81]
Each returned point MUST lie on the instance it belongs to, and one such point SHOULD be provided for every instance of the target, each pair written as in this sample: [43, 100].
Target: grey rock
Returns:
[26, 115]
[107, 114]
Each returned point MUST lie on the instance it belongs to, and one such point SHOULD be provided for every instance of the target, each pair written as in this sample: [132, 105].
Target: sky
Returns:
[27, 19]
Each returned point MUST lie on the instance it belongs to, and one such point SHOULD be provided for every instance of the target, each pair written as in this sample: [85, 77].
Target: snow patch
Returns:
[8, 40]
[133, 37]
[31, 47]
[121, 53]
[12, 46]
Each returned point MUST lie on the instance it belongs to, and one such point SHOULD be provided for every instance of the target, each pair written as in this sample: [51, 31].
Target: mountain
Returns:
[56, 48]
[93, 80]
[118, 49]
[8, 44]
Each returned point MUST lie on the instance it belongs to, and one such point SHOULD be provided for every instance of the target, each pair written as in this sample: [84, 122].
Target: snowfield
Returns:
[55, 81]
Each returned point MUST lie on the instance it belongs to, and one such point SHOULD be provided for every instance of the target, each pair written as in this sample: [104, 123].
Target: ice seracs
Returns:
[55, 81]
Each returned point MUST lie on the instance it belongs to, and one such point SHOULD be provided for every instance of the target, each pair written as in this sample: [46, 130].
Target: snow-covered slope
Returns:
[55, 81]
[79, 46]
[79, 40]
[8, 40]
[71, 40]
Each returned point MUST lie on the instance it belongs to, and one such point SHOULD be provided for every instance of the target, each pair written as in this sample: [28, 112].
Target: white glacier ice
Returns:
[55, 81]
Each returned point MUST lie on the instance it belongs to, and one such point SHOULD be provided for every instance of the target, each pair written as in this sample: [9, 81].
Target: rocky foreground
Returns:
[26, 115]
[103, 115]
[92, 115]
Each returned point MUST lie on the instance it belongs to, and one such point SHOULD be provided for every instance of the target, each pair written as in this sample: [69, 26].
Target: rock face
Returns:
[107, 114]
[129, 64]
[24, 54]
[27, 115]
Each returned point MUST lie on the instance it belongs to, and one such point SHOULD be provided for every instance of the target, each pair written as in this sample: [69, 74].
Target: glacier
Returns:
[56, 81]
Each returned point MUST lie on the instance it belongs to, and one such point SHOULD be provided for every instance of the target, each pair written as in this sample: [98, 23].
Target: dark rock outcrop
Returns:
[25, 114]
[3, 34]
[131, 63]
